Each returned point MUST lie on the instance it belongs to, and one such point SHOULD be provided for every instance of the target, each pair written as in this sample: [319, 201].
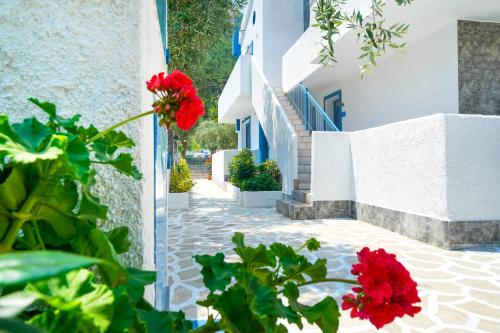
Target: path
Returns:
[460, 290]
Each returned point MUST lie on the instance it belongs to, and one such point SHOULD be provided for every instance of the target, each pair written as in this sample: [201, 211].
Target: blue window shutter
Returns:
[238, 125]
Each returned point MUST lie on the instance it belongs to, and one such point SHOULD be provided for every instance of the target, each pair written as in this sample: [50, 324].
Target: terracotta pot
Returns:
[209, 177]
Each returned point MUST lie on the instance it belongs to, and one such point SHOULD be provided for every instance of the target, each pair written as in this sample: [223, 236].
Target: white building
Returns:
[413, 147]
[93, 58]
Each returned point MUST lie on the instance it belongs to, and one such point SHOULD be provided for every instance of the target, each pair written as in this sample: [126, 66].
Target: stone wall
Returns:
[479, 67]
[90, 57]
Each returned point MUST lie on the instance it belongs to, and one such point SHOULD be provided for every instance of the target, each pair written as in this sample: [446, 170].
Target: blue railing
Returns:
[315, 118]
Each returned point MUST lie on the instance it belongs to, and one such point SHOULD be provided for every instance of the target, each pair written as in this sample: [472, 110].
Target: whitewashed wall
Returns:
[276, 126]
[421, 81]
[220, 163]
[90, 57]
[278, 24]
[440, 166]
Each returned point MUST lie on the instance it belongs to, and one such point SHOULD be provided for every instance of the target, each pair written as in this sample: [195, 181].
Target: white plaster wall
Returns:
[473, 167]
[402, 166]
[234, 101]
[332, 170]
[90, 57]
[276, 126]
[278, 24]
[442, 166]
[220, 163]
[421, 81]
[283, 25]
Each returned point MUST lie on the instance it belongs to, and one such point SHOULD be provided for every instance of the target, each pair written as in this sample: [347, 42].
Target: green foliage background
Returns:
[199, 35]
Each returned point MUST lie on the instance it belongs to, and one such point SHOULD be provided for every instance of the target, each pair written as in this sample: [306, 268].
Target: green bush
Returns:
[242, 167]
[270, 167]
[260, 182]
[180, 178]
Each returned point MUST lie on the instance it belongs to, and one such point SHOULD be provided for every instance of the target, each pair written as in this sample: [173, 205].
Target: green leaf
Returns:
[19, 268]
[78, 158]
[217, 274]
[22, 151]
[124, 164]
[13, 304]
[325, 314]
[54, 119]
[312, 244]
[266, 305]
[124, 314]
[56, 207]
[165, 322]
[56, 322]
[238, 239]
[90, 206]
[16, 326]
[94, 242]
[255, 258]
[77, 293]
[138, 279]
[12, 189]
[32, 133]
[236, 315]
[119, 238]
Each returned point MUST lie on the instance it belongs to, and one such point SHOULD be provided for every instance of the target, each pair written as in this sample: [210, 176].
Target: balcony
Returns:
[235, 101]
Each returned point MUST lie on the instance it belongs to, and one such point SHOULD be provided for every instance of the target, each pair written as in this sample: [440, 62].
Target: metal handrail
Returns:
[315, 118]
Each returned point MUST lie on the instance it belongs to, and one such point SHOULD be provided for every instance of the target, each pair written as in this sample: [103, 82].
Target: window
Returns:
[246, 133]
[253, 17]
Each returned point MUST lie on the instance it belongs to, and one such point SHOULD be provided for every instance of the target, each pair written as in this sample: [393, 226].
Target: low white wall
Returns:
[259, 199]
[331, 173]
[276, 126]
[220, 163]
[441, 166]
[473, 167]
[178, 201]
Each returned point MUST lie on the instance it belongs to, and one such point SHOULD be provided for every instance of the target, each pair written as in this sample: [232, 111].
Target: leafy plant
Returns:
[59, 272]
[260, 182]
[180, 178]
[242, 167]
[50, 225]
[270, 167]
[372, 30]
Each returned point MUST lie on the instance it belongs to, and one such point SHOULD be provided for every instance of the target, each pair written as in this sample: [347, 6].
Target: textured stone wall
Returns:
[90, 57]
[479, 67]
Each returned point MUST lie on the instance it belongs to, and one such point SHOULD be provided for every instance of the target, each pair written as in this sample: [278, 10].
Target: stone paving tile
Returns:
[460, 290]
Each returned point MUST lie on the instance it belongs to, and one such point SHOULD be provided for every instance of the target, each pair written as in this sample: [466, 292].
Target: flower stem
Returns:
[348, 281]
[121, 123]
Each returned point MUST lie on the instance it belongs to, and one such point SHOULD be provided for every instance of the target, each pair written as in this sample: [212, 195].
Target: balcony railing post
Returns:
[306, 108]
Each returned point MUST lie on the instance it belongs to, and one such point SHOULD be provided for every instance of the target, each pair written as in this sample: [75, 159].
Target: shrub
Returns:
[180, 178]
[260, 182]
[270, 167]
[242, 167]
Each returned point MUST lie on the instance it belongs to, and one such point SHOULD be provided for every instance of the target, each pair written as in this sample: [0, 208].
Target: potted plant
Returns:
[180, 185]
[257, 185]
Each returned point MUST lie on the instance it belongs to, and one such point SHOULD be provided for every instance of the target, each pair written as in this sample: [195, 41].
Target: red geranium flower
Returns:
[387, 290]
[178, 102]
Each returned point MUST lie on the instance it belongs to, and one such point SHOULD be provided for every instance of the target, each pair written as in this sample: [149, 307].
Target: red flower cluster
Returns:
[178, 103]
[387, 290]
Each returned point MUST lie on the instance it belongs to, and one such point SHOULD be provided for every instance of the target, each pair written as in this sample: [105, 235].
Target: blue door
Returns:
[332, 105]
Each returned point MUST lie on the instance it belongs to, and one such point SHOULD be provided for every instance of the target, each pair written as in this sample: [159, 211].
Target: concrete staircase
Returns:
[303, 182]
[300, 205]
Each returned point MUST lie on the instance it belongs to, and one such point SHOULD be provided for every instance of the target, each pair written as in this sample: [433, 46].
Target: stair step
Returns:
[304, 178]
[305, 139]
[304, 168]
[304, 186]
[301, 196]
[304, 152]
[295, 210]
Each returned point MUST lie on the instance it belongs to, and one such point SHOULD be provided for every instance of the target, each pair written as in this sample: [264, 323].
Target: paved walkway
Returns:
[460, 290]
